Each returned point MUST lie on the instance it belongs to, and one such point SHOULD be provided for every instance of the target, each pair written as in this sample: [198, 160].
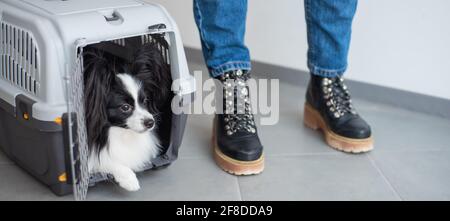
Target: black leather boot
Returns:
[329, 108]
[237, 148]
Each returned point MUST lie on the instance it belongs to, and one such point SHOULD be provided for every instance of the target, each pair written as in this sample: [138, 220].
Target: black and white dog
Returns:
[122, 102]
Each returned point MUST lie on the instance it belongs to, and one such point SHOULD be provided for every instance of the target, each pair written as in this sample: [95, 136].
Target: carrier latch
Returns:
[157, 28]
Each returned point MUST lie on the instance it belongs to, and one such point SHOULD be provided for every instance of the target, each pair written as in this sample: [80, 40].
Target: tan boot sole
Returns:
[314, 120]
[233, 166]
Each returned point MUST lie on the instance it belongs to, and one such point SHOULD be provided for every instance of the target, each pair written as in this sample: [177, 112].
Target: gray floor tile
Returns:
[397, 129]
[197, 137]
[186, 179]
[15, 184]
[417, 175]
[324, 177]
[291, 137]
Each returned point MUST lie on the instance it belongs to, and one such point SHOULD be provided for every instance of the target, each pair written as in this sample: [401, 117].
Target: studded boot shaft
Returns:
[238, 149]
[238, 115]
[329, 107]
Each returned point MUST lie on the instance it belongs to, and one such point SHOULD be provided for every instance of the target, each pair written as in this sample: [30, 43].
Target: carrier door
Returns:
[75, 133]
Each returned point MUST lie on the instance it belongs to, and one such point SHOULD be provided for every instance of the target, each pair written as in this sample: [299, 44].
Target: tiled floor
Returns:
[411, 161]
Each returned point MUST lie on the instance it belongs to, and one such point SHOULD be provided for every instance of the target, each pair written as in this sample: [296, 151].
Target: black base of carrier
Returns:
[36, 146]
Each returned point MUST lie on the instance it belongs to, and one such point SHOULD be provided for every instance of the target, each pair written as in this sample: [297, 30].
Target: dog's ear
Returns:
[98, 78]
[151, 68]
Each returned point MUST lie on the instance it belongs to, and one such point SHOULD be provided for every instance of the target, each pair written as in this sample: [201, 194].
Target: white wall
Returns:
[404, 44]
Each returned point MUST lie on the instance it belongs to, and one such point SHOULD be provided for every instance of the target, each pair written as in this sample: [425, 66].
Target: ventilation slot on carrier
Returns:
[19, 58]
[158, 39]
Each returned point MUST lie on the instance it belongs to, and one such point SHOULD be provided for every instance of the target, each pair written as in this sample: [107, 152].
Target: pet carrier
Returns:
[42, 125]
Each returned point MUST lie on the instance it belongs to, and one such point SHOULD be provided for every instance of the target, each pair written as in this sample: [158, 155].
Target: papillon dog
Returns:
[122, 102]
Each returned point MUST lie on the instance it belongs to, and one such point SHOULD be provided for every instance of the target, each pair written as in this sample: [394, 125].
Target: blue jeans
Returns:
[221, 24]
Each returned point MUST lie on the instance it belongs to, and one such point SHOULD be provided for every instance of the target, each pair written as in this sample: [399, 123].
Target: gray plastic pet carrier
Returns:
[42, 125]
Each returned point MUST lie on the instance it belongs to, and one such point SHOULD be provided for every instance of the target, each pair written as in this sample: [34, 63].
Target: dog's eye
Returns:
[126, 108]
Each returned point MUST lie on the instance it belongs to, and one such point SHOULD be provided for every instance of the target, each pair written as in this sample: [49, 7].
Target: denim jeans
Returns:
[221, 24]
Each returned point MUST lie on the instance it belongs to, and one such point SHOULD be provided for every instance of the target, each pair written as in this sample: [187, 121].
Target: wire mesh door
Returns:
[76, 128]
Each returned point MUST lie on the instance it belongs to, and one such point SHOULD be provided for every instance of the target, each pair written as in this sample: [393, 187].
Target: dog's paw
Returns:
[130, 183]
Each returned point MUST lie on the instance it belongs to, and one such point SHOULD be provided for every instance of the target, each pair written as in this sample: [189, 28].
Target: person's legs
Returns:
[221, 23]
[328, 105]
[329, 25]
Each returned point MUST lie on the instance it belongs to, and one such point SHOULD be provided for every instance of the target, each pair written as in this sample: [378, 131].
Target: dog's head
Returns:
[127, 104]
[116, 95]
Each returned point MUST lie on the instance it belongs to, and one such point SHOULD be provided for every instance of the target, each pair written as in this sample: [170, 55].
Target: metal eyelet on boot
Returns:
[337, 97]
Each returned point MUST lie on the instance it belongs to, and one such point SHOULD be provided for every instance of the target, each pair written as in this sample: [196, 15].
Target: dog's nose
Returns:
[149, 123]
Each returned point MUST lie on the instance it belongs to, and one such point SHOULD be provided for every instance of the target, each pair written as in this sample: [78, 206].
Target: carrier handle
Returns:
[114, 18]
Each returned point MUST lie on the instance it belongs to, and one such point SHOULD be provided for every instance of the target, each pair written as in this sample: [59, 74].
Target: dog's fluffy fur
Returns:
[122, 102]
